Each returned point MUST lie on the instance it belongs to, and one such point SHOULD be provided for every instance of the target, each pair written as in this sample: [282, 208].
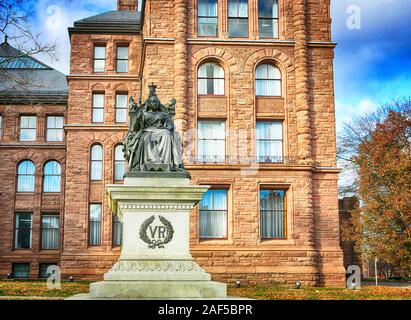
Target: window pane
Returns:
[207, 8]
[1, 125]
[98, 115]
[207, 27]
[52, 177]
[99, 65]
[23, 232]
[238, 8]
[25, 177]
[28, 126]
[213, 214]
[50, 232]
[95, 224]
[269, 143]
[121, 108]
[100, 52]
[122, 53]
[211, 141]
[119, 164]
[98, 101]
[122, 65]
[272, 214]
[117, 231]
[268, 28]
[55, 128]
[44, 274]
[21, 270]
[268, 8]
[97, 152]
[238, 28]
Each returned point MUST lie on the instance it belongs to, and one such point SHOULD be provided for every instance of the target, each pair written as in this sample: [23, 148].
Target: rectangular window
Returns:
[99, 58]
[21, 270]
[273, 214]
[238, 18]
[269, 141]
[213, 215]
[1, 125]
[211, 141]
[117, 231]
[268, 18]
[28, 128]
[44, 274]
[121, 108]
[55, 128]
[207, 18]
[98, 107]
[50, 232]
[95, 225]
[122, 59]
[23, 231]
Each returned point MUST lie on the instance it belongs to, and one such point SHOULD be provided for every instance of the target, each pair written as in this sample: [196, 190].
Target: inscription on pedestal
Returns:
[156, 232]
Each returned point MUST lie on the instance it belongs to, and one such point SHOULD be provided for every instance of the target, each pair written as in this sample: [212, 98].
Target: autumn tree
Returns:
[379, 147]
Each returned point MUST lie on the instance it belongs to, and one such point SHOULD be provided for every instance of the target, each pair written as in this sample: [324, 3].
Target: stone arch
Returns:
[282, 61]
[227, 60]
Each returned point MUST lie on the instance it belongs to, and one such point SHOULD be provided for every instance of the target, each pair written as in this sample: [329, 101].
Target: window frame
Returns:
[237, 17]
[203, 64]
[55, 128]
[100, 224]
[14, 264]
[207, 17]
[118, 59]
[277, 20]
[17, 229]
[99, 45]
[285, 211]
[268, 79]
[125, 108]
[51, 175]
[198, 142]
[25, 175]
[28, 128]
[113, 234]
[45, 215]
[275, 140]
[92, 161]
[226, 237]
[93, 108]
[48, 264]
[116, 161]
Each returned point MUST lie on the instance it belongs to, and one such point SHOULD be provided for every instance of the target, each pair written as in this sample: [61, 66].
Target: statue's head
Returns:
[153, 103]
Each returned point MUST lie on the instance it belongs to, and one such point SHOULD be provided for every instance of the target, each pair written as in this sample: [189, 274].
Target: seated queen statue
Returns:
[152, 143]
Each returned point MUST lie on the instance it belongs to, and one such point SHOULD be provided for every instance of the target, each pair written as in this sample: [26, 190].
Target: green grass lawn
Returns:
[19, 289]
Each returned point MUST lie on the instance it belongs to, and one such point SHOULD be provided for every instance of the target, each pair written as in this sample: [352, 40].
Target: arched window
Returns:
[96, 172]
[52, 177]
[210, 79]
[119, 163]
[25, 176]
[268, 80]
[268, 18]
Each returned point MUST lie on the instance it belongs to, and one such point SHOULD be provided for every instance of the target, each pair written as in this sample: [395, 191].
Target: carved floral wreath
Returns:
[152, 244]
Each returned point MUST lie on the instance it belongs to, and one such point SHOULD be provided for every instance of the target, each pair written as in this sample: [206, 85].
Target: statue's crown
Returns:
[152, 89]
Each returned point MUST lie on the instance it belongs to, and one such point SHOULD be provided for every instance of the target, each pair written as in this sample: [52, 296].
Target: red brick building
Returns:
[254, 87]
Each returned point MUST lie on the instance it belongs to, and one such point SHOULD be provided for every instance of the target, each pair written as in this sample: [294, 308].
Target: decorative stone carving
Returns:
[156, 266]
[214, 105]
[270, 106]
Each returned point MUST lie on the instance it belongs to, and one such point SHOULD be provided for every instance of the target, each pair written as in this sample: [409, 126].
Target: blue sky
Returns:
[372, 63]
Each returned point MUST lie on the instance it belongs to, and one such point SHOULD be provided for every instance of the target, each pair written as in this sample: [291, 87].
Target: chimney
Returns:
[127, 5]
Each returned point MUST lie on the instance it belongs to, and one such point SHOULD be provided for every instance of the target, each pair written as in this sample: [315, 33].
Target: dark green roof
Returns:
[109, 22]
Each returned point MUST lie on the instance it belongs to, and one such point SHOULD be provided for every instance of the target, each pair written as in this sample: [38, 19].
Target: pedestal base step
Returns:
[158, 290]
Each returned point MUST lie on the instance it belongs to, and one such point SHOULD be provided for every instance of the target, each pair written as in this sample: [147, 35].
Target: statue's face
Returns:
[153, 104]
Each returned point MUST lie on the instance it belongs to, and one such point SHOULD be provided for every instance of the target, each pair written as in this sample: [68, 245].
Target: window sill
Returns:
[212, 242]
[275, 242]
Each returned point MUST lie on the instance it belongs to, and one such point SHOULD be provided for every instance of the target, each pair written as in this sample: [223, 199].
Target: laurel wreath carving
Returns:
[152, 244]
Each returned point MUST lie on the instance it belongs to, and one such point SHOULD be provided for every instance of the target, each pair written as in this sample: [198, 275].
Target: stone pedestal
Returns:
[155, 261]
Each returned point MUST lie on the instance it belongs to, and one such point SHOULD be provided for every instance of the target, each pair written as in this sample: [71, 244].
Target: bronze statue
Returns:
[152, 143]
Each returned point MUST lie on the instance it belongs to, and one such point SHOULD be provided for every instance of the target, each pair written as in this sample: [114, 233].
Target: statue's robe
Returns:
[151, 144]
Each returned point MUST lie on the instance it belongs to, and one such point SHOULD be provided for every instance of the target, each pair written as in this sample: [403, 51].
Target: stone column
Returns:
[302, 105]
[180, 63]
